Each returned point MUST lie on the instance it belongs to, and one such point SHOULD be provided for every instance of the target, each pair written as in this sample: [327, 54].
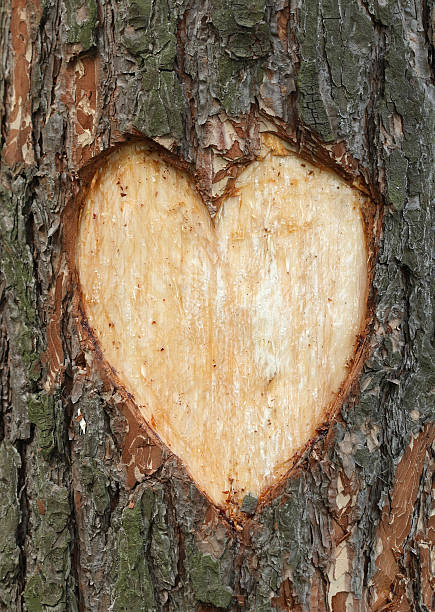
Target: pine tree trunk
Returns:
[95, 515]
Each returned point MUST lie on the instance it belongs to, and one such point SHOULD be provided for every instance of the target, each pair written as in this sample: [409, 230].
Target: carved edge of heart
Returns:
[141, 433]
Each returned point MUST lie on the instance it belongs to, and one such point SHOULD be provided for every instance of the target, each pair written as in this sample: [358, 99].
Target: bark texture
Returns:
[94, 514]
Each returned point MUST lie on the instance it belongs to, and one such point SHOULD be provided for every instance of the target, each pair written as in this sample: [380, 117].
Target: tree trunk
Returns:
[96, 514]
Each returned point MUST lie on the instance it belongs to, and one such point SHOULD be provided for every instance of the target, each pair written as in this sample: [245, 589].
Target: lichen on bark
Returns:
[10, 515]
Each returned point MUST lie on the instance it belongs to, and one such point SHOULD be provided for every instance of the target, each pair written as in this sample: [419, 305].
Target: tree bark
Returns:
[95, 514]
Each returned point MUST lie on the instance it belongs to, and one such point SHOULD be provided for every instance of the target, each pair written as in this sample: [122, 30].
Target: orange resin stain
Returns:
[233, 335]
[81, 84]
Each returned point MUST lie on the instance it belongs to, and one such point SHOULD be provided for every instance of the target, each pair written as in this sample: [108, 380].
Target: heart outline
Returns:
[329, 414]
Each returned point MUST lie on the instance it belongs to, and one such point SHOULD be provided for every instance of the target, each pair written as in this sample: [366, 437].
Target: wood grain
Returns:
[233, 334]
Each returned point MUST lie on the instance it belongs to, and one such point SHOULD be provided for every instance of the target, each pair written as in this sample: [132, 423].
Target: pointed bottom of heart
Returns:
[234, 335]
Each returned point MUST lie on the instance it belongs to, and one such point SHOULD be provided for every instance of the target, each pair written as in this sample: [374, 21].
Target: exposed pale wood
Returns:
[232, 334]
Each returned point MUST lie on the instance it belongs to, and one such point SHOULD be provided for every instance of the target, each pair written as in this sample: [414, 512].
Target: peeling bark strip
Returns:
[18, 146]
[397, 536]
[85, 526]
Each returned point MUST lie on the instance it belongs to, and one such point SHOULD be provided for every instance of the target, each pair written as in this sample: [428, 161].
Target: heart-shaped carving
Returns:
[233, 334]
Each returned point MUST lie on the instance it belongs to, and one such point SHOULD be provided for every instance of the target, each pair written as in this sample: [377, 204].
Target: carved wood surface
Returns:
[234, 334]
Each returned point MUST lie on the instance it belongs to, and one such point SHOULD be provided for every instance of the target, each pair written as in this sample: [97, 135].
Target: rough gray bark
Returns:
[95, 516]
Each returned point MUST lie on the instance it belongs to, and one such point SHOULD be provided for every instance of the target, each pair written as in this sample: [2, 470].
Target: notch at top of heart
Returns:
[237, 338]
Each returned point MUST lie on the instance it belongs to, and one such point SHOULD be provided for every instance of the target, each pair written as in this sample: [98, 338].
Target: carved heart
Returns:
[233, 334]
